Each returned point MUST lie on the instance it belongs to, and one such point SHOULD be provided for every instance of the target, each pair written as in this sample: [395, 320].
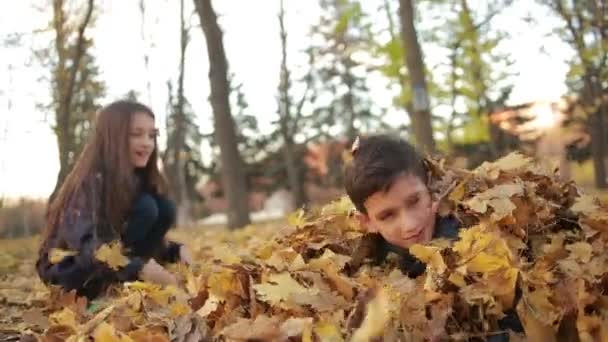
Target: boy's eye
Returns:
[413, 201]
[386, 216]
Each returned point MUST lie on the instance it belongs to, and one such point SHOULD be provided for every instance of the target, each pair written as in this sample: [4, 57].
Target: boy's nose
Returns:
[406, 225]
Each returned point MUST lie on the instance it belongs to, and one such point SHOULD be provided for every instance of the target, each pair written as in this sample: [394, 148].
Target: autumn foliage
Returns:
[532, 244]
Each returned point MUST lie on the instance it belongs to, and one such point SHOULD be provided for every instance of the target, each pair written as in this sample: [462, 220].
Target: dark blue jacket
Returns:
[78, 231]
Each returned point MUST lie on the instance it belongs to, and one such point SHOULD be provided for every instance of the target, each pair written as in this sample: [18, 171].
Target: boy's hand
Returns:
[154, 273]
[184, 255]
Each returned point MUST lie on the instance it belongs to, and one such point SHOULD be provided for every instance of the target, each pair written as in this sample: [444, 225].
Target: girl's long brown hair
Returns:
[107, 154]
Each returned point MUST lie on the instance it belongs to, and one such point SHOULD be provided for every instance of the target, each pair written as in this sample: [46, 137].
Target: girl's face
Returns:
[142, 137]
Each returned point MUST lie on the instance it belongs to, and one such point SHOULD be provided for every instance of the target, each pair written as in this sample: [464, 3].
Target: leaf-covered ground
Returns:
[532, 245]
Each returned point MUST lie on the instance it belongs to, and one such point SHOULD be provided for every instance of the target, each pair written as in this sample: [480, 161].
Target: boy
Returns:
[387, 182]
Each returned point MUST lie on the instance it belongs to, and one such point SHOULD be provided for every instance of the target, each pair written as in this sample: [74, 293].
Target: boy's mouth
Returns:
[415, 237]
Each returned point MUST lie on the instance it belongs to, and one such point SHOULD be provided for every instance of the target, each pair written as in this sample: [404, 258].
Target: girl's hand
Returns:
[184, 255]
[154, 273]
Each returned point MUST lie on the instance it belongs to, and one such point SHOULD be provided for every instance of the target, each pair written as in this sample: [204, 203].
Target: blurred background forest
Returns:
[258, 100]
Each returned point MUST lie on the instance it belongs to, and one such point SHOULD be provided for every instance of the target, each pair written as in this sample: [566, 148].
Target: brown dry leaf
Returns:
[111, 254]
[534, 328]
[60, 299]
[592, 328]
[106, 333]
[149, 335]
[56, 255]
[263, 328]
[330, 263]
[295, 326]
[35, 317]
[58, 333]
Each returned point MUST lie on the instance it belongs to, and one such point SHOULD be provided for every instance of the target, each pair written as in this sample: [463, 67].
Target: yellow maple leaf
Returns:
[486, 263]
[327, 332]
[106, 333]
[580, 251]
[210, 306]
[156, 292]
[341, 206]
[457, 279]
[377, 315]
[510, 162]
[65, 317]
[56, 255]
[111, 254]
[280, 287]
[498, 198]
[226, 255]
[472, 241]
[297, 218]
[224, 283]
[179, 309]
[458, 192]
[586, 204]
[430, 255]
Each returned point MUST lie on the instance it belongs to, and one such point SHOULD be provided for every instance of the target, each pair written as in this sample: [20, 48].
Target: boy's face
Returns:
[404, 214]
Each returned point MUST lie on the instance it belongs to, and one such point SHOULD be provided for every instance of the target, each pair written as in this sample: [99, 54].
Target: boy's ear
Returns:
[435, 206]
[364, 221]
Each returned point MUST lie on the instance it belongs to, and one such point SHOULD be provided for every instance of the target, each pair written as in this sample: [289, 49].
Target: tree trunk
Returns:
[421, 114]
[146, 52]
[285, 116]
[65, 73]
[597, 131]
[483, 105]
[233, 176]
[183, 202]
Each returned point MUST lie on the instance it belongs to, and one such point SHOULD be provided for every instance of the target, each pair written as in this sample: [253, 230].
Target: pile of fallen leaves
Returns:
[531, 245]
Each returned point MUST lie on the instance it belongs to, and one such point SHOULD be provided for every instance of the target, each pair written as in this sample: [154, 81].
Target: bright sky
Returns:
[28, 152]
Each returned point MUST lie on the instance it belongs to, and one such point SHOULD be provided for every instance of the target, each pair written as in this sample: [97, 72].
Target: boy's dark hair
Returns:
[377, 161]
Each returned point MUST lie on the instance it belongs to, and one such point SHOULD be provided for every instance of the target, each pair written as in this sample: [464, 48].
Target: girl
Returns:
[114, 192]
